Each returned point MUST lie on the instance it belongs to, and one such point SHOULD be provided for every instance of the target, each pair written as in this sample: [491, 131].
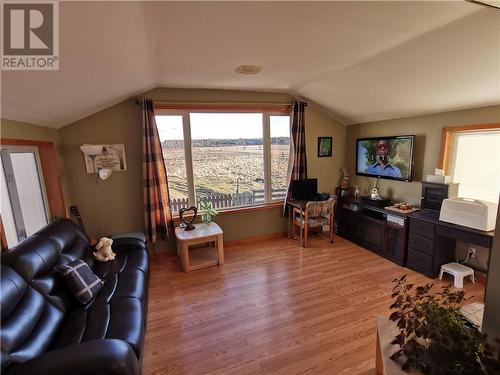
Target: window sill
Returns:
[240, 210]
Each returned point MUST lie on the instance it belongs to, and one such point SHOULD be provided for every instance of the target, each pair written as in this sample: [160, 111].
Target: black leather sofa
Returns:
[46, 331]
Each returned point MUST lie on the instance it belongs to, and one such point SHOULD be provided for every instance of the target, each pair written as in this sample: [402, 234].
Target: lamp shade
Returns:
[104, 173]
[91, 149]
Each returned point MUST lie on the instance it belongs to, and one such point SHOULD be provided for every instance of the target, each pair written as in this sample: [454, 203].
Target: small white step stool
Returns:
[459, 271]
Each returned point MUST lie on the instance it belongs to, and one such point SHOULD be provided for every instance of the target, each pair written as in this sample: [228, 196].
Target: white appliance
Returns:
[438, 177]
[470, 213]
[396, 220]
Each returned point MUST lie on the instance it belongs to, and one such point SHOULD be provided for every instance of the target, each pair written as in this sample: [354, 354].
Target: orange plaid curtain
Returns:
[158, 215]
[297, 161]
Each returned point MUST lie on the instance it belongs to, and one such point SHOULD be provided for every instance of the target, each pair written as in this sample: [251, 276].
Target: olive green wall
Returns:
[118, 200]
[427, 130]
[21, 130]
[428, 146]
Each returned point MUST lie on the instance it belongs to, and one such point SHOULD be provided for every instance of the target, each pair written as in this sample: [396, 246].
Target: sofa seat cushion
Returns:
[126, 284]
[118, 310]
[120, 318]
[131, 257]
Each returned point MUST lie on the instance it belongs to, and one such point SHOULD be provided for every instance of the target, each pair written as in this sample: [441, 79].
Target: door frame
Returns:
[6, 151]
[50, 172]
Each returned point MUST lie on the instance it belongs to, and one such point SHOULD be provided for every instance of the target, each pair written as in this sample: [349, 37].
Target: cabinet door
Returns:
[395, 243]
[370, 232]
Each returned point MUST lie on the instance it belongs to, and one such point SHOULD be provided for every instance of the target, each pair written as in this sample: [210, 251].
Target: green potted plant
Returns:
[434, 337]
[207, 212]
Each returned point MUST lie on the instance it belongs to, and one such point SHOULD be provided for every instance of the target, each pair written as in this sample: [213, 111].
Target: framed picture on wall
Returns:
[325, 147]
[112, 157]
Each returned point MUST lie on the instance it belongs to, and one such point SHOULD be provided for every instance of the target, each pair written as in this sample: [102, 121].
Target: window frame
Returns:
[184, 110]
[447, 141]
[6, 151]
[50, 173]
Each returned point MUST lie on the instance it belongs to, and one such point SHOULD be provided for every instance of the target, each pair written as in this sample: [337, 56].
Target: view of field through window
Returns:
[227, 157]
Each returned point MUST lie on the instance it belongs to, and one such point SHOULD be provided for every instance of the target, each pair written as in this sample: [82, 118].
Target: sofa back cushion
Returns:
[29, 321]
[35, 259]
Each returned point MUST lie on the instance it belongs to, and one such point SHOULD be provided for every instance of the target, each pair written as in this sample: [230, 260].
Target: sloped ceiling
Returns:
[363, 61]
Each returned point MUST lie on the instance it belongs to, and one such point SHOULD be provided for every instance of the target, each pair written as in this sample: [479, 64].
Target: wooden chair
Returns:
[316, 215]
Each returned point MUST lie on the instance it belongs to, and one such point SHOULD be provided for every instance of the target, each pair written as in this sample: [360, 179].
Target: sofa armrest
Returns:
[107, 357]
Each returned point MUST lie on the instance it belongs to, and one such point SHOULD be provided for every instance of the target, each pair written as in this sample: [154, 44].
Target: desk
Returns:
[431, 242]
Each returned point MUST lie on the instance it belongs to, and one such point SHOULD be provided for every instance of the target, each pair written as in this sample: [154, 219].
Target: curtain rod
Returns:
[141, 100]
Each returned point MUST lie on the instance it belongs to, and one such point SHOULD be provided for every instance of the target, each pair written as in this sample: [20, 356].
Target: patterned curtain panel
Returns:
[297, 162]
[158, 216]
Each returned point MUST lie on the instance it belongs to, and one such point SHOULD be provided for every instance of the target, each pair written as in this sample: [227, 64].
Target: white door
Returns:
[23, 206]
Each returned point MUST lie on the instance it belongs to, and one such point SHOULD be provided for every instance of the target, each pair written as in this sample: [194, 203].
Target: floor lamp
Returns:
[92, 151]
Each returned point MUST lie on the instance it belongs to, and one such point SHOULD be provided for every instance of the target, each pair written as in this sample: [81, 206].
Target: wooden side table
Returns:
[200, 257]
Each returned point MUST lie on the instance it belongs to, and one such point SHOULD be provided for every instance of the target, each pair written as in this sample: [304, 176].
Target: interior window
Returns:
[170, 130]
[228, 158]
[224, 157]
[475, 161]
[280, 151]
[24, 206]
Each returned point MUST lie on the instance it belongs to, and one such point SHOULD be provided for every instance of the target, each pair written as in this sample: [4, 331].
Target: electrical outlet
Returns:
[472, 251]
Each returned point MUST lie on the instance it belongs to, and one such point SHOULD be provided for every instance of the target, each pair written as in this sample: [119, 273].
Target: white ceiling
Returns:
[363, 61]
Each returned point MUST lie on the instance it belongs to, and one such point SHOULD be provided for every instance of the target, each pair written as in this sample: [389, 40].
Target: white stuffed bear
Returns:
[104, 252]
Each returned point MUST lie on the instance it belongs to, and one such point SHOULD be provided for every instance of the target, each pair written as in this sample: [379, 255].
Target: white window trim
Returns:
[448, 147]
[188, 154]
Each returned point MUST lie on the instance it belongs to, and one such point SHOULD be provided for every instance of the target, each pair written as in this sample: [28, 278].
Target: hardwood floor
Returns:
[272, 308]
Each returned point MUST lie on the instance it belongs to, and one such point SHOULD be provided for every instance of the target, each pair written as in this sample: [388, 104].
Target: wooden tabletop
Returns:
[201, 230]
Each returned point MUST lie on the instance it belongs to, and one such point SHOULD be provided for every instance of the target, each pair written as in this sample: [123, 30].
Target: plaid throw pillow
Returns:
[81, 280]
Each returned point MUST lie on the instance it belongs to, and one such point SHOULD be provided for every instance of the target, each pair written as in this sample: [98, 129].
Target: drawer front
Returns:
[476, 239]
[421, 244]
[419, 261]
[422, 228]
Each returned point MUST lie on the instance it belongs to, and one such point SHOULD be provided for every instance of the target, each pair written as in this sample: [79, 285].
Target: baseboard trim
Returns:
[243, 241]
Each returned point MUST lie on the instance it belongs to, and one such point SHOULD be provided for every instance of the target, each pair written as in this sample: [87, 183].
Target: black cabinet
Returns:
[433, 194]
[431, 242]
[427, 251]
[368, 227]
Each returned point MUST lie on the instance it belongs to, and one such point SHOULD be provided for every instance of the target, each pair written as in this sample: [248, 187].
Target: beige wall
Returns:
[428, 147]
[21, 130]
[118, 201]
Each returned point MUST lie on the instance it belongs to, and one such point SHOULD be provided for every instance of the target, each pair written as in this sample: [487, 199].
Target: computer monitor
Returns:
[306, 189]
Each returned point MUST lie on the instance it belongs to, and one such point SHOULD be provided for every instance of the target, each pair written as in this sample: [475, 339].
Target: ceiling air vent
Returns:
[248, 69]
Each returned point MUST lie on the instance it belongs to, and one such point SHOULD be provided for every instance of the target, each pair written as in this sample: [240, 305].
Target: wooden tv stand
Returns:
[368, 226]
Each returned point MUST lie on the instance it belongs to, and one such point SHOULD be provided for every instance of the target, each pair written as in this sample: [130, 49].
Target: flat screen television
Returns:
[386, 157]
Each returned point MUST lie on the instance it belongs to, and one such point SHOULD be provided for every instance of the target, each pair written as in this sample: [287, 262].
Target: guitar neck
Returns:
[76, 213]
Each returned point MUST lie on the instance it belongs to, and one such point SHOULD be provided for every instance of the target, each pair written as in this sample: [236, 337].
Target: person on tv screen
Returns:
[383, 167]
